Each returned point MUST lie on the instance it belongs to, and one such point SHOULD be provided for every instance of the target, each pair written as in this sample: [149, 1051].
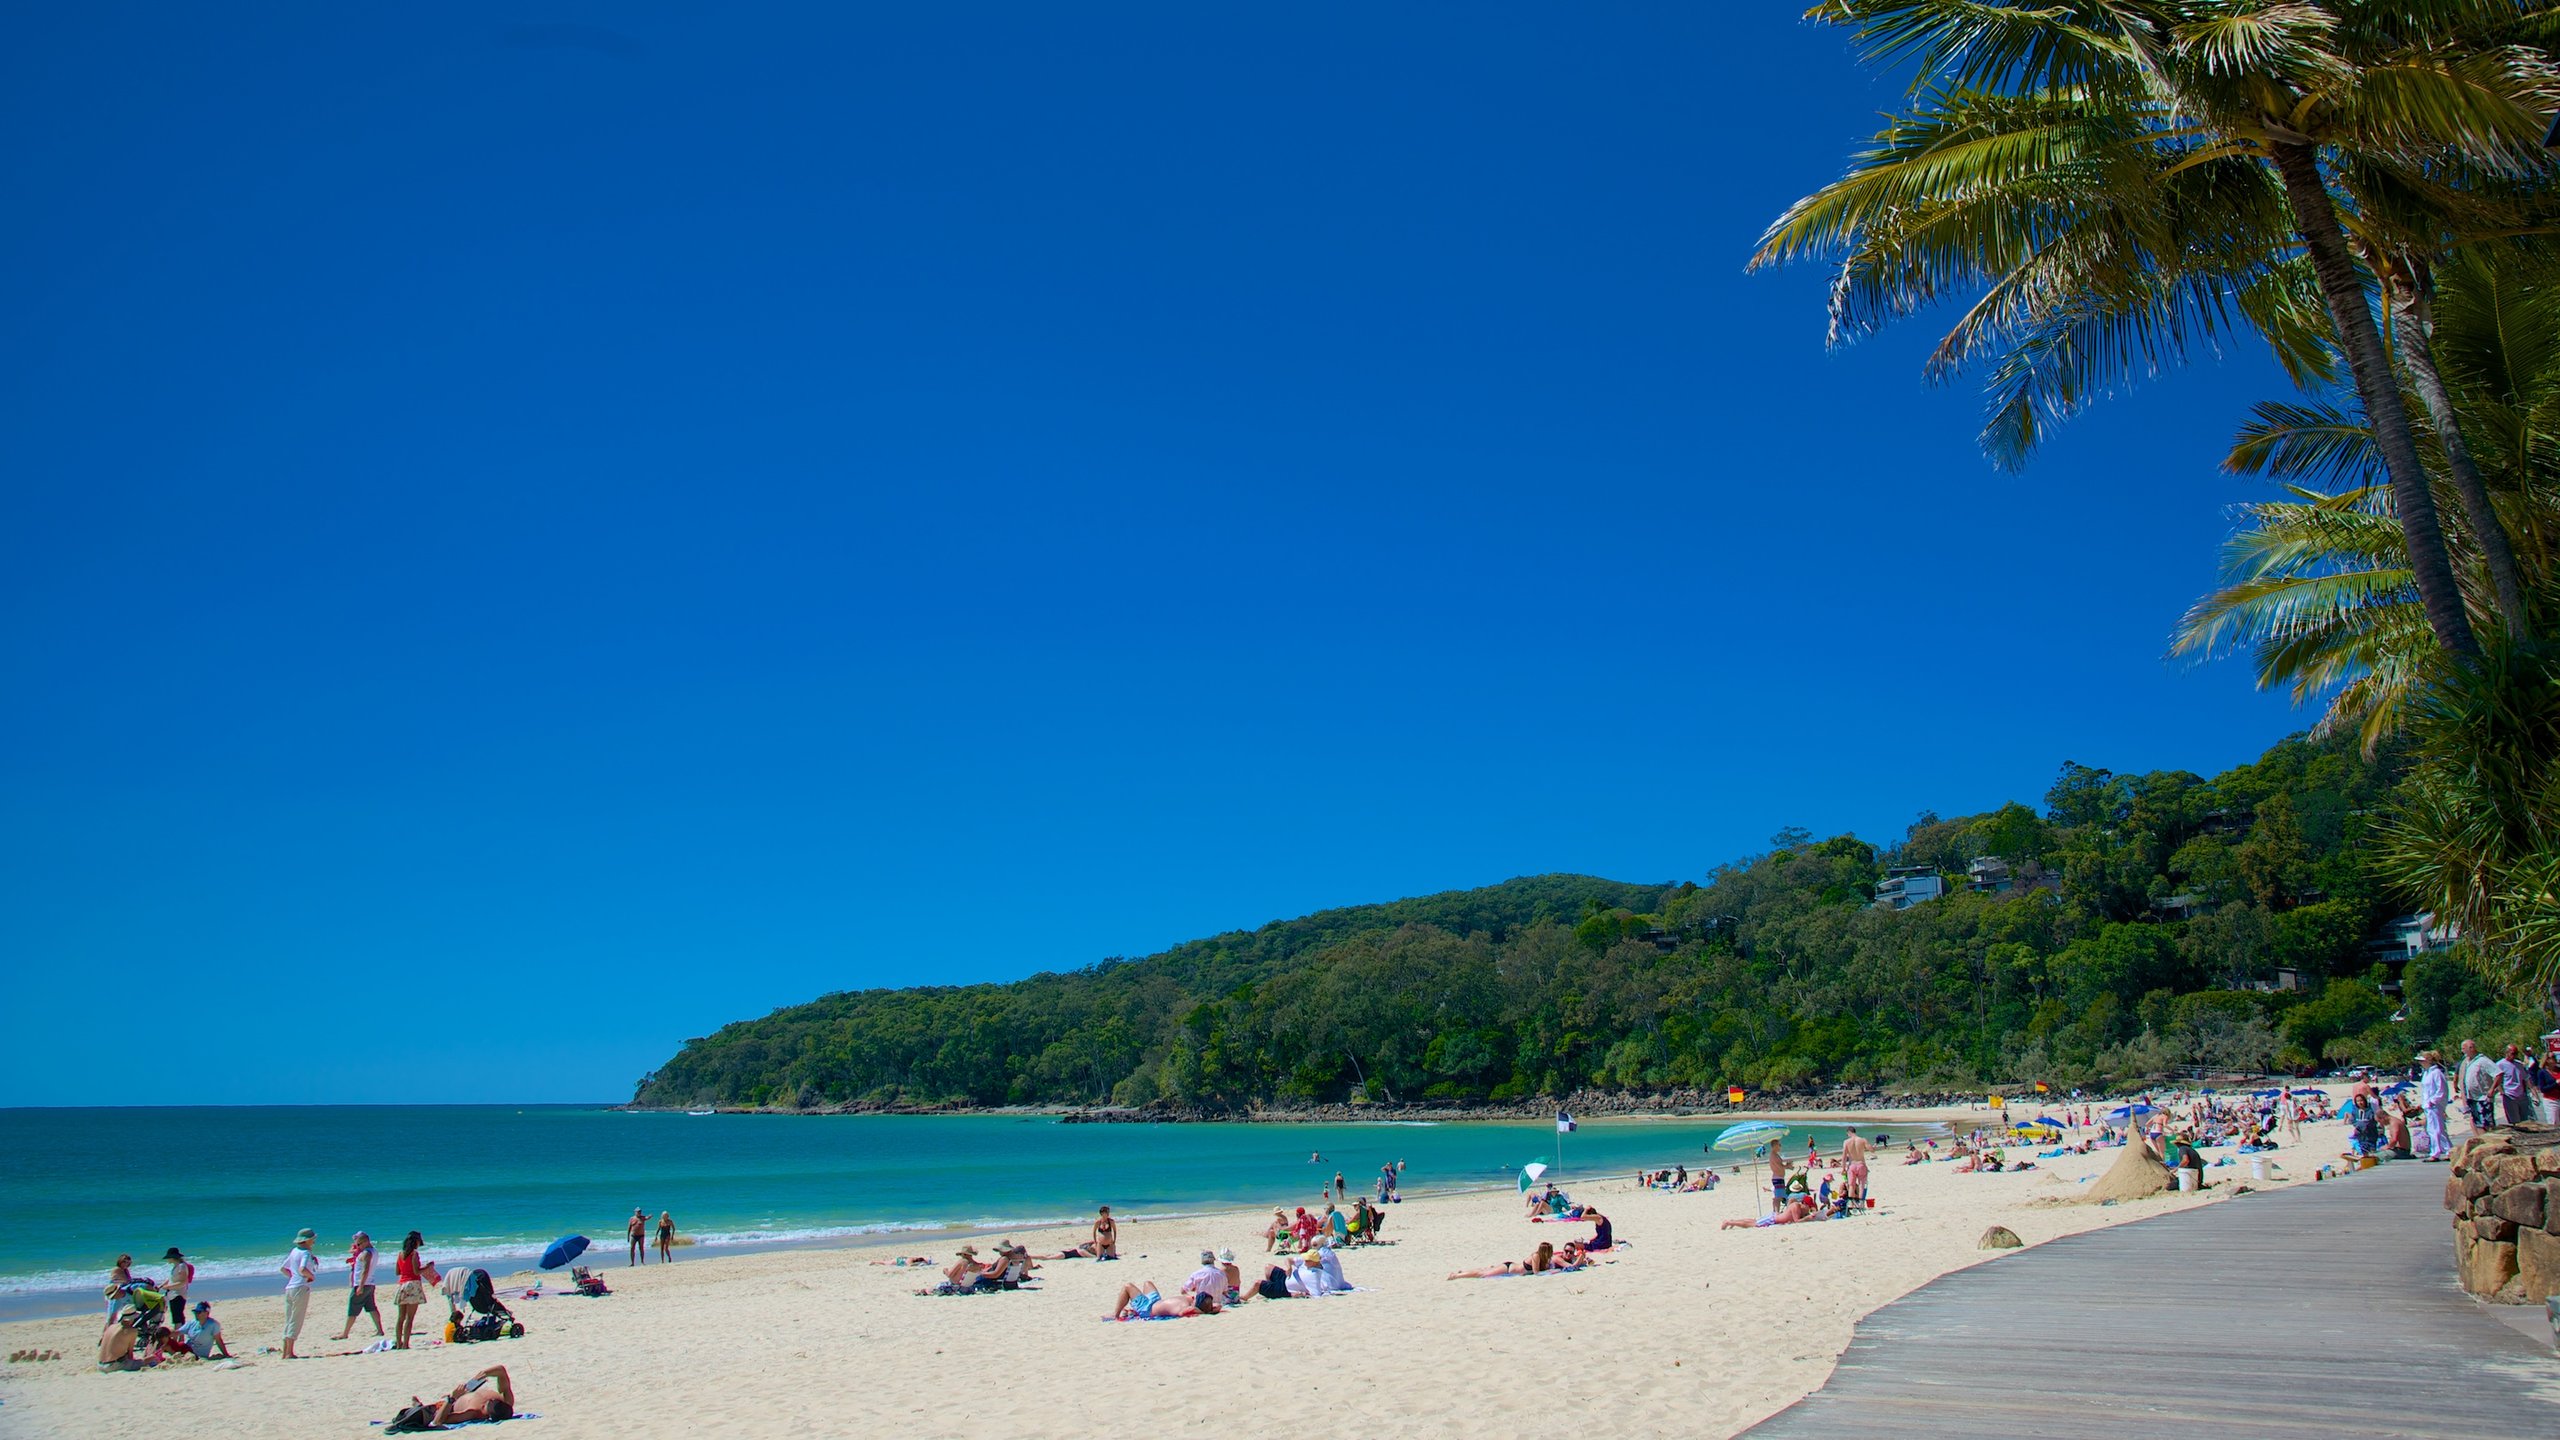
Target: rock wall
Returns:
[2504, 1193]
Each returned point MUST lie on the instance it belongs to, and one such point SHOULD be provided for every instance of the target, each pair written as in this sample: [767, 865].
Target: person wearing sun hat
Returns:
[1208, 1280]
[182, 1274]
[300, 1269]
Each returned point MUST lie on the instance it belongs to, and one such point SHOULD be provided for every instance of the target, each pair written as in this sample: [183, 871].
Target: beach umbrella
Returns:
[2396, 1087]
[1529, 1174]
[563, 1250]
[1754, 1136]
[2122, 1113]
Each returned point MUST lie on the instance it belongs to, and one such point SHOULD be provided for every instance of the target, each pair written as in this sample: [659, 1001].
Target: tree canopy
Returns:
[2139, 910]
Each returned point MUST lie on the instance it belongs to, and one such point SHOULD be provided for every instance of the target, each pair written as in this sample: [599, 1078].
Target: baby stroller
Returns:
[586, 1281]
[146, 1310]
[489, 1319]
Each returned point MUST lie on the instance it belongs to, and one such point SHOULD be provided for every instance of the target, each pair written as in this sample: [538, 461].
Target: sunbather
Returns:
[1145, 1299]
[1537, 1264]
[1800, 1208]
[489, 1395]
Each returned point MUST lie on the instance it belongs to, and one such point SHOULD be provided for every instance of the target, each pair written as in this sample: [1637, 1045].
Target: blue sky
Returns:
[606, 521]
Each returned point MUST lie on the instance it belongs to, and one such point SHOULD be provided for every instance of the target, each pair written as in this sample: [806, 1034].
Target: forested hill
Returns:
[1074, 1037]
[2126, 926]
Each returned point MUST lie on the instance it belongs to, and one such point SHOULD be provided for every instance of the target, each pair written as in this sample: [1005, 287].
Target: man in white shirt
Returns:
[300, 1269]
[2479, 1087]
[2434, 1093]
[1209, 1279]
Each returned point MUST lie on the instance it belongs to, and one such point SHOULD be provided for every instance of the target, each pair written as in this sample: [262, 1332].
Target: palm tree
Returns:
[2102, 169]
[2317, 586]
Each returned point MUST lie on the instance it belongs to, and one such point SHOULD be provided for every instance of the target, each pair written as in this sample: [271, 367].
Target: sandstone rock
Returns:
[2520, 1203]
[2546, 1162]
[2001, 1237]
[2507, 1170]
[2453, 1196]
[2474, 1185]
[2471, 1152]
[2537, 1265]
[2491, 1266]
[2464, 1237]
[2493, 1227]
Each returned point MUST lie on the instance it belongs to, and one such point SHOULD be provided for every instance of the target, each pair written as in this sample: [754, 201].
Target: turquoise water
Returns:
[492, 1184]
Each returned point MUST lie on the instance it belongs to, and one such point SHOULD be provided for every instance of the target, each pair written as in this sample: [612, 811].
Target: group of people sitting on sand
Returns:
[1678, 1178]
[1296, 1233]
[1219, 1285]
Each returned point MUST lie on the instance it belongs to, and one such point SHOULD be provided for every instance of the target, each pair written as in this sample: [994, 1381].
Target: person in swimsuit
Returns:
[1145, 1298]
[638, 1231]
[666, 1237]
[1538, 1264]
[489, 1395]
[1800, 1208]
[1853, 1156]
[1106, 1236]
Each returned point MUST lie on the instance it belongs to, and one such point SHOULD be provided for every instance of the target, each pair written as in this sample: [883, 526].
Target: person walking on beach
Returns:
[666, 1237]
[411, 1271]
[2479, 1087]
[1341, 1188]
[299, 1269]
[360, 1286]
[1106, 1236]
[182, 1276]
[2434, 1093]
[638, 1231]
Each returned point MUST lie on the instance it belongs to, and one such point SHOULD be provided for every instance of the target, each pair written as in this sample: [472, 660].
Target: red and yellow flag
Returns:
[1733, 1095]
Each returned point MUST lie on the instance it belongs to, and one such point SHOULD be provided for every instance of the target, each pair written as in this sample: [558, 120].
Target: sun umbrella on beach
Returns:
[563, 1250]
[2122, 1113]
[1751, 1135]
[1529, 1174]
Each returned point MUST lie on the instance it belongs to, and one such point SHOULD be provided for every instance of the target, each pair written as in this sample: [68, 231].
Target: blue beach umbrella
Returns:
[2126, 1112]
[563, 1250]
[1751, 1135]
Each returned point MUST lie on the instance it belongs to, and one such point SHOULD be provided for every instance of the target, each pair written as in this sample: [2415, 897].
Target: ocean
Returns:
[492, 1184]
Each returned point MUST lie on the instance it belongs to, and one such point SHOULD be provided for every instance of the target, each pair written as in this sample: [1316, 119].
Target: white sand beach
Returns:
[1695, 1331]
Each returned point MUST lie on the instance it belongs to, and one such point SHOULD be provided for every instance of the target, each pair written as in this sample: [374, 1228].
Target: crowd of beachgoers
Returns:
[1310, 1250]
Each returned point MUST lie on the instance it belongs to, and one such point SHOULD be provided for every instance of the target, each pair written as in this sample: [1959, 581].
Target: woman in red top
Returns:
[412, 1271]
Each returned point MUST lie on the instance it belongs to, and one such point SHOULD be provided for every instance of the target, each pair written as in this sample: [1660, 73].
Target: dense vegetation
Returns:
[1777, 972]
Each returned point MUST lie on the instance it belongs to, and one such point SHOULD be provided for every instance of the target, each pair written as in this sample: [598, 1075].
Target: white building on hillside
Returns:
[1904, 886]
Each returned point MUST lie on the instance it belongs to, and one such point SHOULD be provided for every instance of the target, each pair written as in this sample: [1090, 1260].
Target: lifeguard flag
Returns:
[1733, 1095]
[2040, 1088]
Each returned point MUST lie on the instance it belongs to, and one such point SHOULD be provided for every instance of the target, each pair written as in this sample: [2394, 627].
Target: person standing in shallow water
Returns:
[638, 1233]
[666, 1237]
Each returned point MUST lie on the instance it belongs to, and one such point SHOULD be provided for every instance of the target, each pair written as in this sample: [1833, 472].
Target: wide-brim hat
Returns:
[173, 1254]
[306, 1237]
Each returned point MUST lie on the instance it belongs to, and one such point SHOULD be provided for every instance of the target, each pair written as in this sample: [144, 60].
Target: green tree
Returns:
[2113, 181]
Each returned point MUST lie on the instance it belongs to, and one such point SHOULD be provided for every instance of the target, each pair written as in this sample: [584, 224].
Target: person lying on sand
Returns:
[488, 1396]
[1800, 1208]
[1145, 1298]
[1538, 1264]
[903, 1261]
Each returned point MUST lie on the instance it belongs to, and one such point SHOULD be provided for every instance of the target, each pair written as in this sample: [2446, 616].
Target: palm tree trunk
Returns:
[2416, 331]
[2315, 218]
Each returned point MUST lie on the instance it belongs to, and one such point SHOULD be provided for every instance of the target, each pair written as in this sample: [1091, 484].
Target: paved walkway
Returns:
[2326, 1310]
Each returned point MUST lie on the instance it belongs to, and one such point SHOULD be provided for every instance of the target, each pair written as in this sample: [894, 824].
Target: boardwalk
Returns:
[2320, 1311]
